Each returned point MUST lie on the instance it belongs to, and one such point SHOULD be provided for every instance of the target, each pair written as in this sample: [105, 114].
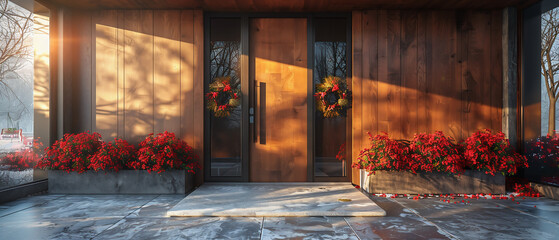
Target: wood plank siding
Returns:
[423, 71]
[128, 73]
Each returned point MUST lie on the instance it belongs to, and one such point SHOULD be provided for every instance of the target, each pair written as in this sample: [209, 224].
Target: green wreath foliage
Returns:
[222, 98]
[333, 97]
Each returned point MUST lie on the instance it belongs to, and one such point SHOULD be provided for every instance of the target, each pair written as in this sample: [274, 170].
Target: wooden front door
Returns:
[278, 60]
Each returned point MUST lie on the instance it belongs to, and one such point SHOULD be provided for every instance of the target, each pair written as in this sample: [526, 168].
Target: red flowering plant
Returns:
[164, 151]
[384, 153]
[72, 152]
[492, 153]
[222, 97]
[435, 153]
[24, 159]
[112, 156]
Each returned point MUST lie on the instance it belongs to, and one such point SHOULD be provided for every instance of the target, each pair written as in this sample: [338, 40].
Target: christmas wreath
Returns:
[333, 97]
[222, 98]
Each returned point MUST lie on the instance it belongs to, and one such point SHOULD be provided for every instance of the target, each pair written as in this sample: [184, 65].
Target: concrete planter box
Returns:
[432, 183]
[122, 182]
[14, 178]
[546, 190]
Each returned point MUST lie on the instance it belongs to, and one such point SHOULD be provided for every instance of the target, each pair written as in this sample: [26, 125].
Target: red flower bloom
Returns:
[164, 152]
[335, 88]
[72, 152]
[227, 88]
[492, 153]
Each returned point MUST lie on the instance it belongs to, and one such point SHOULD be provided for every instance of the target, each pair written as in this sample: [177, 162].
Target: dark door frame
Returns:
[246, 86]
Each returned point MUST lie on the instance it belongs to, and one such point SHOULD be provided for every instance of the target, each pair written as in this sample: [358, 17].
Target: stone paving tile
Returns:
[306, 228]
[184, 228]
[28, 224]
[24, 203]
[488, 219]
[399, 223]
[157, 207]
[67, 216]
[538, 207]
[87, 206]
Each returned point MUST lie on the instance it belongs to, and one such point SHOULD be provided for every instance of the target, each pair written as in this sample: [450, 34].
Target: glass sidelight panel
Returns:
[225, 131]
[330, 59]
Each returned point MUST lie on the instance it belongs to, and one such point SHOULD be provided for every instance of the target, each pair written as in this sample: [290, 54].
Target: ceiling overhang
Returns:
[289, 5]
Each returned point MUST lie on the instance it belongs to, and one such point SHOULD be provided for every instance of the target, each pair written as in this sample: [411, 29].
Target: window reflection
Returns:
[225, 132]
[330, 59]
[543, 151]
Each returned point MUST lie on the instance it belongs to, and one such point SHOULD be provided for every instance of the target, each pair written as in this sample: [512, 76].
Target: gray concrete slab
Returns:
[276, 200]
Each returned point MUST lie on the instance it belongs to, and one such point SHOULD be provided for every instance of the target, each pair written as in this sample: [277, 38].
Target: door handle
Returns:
[262, 113]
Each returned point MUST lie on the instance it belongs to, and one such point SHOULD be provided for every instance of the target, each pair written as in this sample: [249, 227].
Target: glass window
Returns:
[541, 122]
[225, 131]
[330, 59]
[24, 86]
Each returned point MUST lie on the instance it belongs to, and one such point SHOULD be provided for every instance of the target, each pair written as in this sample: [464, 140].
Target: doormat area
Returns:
[276, 200]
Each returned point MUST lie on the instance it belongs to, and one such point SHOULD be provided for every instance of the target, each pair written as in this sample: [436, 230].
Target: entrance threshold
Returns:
[276, 200]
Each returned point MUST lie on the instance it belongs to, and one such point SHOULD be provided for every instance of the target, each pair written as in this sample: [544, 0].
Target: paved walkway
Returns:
[276, 200]
[143, 217]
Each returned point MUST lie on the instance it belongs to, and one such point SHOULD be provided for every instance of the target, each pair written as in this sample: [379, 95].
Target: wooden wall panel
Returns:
[138, 74]
[120, 70]
[128, 73]
[425, 71]
[394, 81]
[106, 75]
[198, 89]
[187, 75]
[357, 87]
[496, 78]
[370, 74]
[409, 69]
[167, 81]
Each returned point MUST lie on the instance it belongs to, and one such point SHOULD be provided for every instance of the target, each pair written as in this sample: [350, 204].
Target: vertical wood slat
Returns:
[477, 75]
[187, 76]
[437, 72]
[394, 79]
[409, 65]
[496, 77]
[120, 75]
[369, 79]
[198, 102]
[167, 71]
[138, 75]
[384, 117]
[485, 30]
[454, 91]
[357, 71]
[105, 106]
[421, 73]
[458, 79]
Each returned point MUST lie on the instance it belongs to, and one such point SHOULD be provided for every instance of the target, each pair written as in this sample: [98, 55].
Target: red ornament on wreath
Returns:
[222, 98]
[333, 98]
